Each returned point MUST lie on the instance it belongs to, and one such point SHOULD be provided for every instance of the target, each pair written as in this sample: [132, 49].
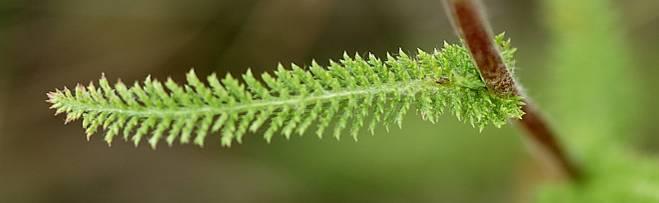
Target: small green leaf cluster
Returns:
[346, 95]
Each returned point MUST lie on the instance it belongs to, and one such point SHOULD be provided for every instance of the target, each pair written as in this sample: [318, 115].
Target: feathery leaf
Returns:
[293, 100]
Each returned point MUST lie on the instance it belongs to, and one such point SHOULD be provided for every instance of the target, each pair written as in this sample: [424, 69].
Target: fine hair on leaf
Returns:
[342, 97]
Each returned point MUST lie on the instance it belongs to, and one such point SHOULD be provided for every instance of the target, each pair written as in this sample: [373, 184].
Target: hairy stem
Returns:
[469, 21]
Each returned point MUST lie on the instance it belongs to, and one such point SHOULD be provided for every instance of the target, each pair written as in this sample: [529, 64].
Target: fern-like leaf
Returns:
[292, 100]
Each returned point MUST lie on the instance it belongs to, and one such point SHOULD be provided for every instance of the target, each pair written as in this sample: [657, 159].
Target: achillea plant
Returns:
[353, 93]
[358, 92]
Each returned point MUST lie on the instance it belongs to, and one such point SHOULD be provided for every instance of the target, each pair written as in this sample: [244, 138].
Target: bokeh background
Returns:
[51, 44]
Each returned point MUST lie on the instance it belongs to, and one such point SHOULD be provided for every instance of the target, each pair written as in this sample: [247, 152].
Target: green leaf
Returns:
[291, 100]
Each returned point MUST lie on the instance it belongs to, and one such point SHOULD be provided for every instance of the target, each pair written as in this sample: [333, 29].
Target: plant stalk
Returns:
[470, 24]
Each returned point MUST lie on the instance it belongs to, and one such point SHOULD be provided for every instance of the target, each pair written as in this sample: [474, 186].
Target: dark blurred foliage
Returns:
[51, 44]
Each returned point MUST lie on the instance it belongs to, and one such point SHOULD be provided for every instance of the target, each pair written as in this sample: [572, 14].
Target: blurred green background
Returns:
[50, 44]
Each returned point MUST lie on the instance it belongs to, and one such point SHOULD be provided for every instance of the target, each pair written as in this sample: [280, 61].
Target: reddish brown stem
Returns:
[469, 20]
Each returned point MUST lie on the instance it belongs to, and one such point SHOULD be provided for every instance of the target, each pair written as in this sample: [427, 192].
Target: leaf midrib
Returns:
[408, 87]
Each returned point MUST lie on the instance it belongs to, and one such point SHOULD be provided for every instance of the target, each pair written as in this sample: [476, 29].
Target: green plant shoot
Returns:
[348, 95]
